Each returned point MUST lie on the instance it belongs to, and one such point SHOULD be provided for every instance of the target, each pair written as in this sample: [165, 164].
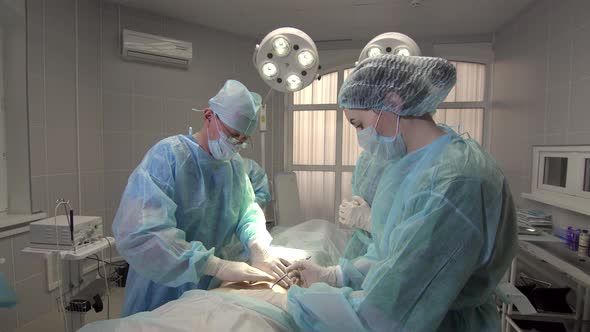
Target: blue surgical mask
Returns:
[386, 147]
[222, 148]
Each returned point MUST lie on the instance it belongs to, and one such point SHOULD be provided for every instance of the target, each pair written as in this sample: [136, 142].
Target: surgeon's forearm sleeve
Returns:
[147, 236]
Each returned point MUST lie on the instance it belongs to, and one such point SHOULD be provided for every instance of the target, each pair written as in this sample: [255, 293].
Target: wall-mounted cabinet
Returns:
[561, 177]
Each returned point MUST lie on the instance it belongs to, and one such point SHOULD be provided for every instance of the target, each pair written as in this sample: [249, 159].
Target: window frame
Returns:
[337, 168]
[574, 189]
[485, 104]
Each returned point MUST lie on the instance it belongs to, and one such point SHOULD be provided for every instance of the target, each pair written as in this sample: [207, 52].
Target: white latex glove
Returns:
[355, 213]
[234, 271]
[276, 267]
[277, 299]
[305, 273]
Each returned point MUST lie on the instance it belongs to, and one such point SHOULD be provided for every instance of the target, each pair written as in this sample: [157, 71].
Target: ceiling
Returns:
[342, 20]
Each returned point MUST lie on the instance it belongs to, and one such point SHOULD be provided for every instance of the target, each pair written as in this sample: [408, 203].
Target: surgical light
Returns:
[269, 70]
[281, 46]
[287, 59]
[374, 51]
[402, 51]
[294, 82]
[306, 59]
[390, 43]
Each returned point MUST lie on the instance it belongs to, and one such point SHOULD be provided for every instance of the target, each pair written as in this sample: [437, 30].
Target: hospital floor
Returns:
[53, 320]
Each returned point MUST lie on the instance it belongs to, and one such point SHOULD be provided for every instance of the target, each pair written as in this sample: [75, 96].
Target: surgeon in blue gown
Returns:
[259, 182]
[442, 216]
[188, 218]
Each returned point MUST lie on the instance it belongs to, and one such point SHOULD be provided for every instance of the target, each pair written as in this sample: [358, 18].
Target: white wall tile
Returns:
[60, 36]
[148, 79]
[117, 151]
[215, 57]
[580, 115]
[110, 217]
[89, 108]
[518, 184]
[146, 22]
[110, 51]
[89, 67]
[61, 150]
[579, 138]
[195, 120]
[562, 17]
[148, 114]
[39, 193]
[62, 186]
[92, 192]
[25, 265]
[581, 49]
[581, 13]
[179, 30]
[509, 138]
[36, 100]
[114, 184]
[34, 300]
[8, 317]
[35, 39]
[556, 139]
[117, 110]
[176, 116]
[37, 151]
[60, 102]
[141, 144]
[117, 76]
[89, 27]
[91, 155]
[8, 267]
[558, 107]
[559, 63]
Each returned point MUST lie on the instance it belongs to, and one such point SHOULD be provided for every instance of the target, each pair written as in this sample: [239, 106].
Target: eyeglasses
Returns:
[233, 136]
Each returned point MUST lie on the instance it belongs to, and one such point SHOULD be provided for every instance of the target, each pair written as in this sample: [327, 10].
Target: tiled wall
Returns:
[123, 107]
[541, 90]
[3, 183]
[28, 276]
[93, 116]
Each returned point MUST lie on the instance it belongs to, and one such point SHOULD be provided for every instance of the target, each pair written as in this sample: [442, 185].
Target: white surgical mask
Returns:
[222, 148]
[382, 146]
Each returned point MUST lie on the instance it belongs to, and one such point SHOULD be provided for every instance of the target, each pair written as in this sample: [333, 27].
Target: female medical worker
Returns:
[443, 220]
[188, 215]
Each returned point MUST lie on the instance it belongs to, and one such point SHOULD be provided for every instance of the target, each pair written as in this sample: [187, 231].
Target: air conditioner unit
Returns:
[138, 46]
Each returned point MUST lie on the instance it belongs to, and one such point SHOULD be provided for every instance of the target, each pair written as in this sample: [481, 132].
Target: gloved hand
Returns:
[355, 213]
[268, 263]
[304, 273]
[234, 271]
[277, 299]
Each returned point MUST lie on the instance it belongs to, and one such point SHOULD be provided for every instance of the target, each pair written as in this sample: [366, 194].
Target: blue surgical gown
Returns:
[180, 207]
[444, 233]
[367, 175]
[259, 181]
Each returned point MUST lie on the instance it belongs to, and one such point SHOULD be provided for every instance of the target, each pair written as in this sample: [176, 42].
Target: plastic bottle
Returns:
[576, 239]
[583, 245]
